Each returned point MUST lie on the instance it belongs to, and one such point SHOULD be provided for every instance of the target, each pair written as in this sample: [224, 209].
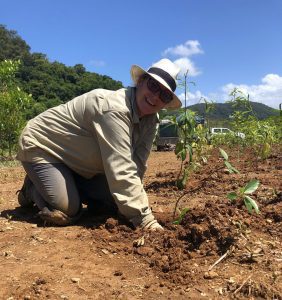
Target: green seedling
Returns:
[228, 165]
[181, 216]
[243, 195]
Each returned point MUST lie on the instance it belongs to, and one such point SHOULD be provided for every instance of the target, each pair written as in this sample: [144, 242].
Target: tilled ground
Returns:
[219, 251]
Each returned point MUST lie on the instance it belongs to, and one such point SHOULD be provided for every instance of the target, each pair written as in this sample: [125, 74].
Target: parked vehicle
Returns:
[167, 136]
[222, 130]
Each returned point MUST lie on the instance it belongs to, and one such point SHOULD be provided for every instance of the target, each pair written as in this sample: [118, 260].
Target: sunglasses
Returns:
[153, 86]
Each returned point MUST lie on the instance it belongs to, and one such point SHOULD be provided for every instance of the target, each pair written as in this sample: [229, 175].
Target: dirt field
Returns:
[97, 258]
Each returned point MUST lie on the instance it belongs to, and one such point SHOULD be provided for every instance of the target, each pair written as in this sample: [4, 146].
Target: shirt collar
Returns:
[134, 109]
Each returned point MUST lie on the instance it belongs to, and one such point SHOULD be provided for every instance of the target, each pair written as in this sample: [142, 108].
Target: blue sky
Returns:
[223, 43]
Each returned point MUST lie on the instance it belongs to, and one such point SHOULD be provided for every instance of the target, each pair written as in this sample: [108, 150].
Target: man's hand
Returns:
[153, 225]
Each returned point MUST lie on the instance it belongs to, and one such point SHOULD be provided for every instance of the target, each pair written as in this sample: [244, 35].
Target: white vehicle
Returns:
[222, 130]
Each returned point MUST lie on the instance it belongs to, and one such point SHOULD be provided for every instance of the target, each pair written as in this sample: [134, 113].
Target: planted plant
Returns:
[263, 135]
[192, 146]
[260, 135]
[184, 149]
[181, 216]
[242, 195]
[228, 165]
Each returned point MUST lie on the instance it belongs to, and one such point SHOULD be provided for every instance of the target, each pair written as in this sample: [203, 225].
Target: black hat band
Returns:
[165, 76]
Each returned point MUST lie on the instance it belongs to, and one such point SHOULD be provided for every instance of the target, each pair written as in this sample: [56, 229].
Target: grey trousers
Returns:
[56, 186]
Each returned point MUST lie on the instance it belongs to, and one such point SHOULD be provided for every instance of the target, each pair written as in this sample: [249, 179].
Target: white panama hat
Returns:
[165, 72]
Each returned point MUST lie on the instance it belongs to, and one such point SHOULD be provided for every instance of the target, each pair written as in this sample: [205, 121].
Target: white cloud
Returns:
[189, 48]
[192, 98]
[184, 51]
[269, 92]
[97, 63]
[185, 64]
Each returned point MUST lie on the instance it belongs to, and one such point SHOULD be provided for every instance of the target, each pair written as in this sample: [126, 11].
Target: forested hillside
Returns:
[224, 110]
[50, 83]
[221, 112]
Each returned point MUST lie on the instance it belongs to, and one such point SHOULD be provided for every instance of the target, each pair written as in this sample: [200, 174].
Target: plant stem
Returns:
[195, 189]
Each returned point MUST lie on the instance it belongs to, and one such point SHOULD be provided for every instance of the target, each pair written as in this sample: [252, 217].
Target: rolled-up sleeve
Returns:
[114, 134]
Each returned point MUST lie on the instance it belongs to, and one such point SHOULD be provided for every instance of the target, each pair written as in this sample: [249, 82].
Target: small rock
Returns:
[231, 280]
[144, 251]
[165, 267]
[40, 281]
[111, 223]
[219, 290]
[164, 258]
[210, 275]
[8, 228]
[117, 273]
[7, 253]
[75, 279]
[105, 251]
[276, 274]
[37, 238]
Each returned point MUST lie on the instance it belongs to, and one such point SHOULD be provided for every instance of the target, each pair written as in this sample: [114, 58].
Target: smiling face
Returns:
[148, 100]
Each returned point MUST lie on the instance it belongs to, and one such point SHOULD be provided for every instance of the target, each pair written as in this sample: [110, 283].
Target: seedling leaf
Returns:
[251, 186]
[235, 170]
[223, 153]
[178, 147]
[251, 204]
[232, 196]
[183, 154]
[181, 216]
[230, 168]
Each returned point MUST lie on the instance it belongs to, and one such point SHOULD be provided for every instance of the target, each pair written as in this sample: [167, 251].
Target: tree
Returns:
[13, 102]
[50, 83]
[11, 44]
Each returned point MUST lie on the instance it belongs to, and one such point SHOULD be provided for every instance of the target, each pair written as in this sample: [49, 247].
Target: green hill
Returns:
[50, 83]
[220, 116]
[222, 111]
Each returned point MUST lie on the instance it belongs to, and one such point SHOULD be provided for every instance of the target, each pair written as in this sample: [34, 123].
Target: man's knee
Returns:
[69, 205]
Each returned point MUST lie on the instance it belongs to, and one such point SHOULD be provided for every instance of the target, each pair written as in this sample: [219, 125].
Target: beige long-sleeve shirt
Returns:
[98, 132]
